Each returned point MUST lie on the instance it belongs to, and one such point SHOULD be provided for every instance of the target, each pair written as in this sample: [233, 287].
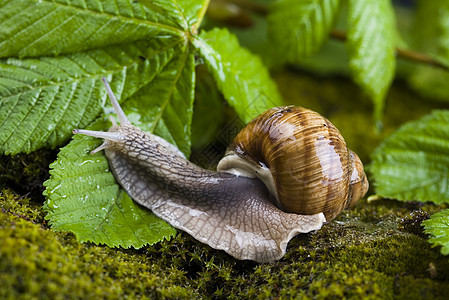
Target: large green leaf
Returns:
[297, 29]
[438, 229]
[413, 164]
[83, 197]
[42, 100]
[371, 47]
[240, 75]
[50, 27]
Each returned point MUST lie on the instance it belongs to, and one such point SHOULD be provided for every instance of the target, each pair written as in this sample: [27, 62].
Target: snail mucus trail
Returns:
[307, 176]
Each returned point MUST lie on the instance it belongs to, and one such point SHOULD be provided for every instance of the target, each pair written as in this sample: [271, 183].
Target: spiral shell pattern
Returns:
[312, 168]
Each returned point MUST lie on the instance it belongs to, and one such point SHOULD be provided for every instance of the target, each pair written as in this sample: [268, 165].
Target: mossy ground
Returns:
[375, 250]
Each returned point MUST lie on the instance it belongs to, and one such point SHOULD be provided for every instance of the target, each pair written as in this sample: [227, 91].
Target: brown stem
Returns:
[420, 57]
[402, 53]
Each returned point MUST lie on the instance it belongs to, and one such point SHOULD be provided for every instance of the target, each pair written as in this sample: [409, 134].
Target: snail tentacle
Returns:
[122, 118]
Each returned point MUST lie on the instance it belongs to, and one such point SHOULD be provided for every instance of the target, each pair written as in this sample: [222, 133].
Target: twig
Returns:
[402, 53]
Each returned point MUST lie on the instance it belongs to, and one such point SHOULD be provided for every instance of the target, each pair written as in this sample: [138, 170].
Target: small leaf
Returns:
[430, 82]
[371, 47]
[83, 197]
[296, 29]
[51, 27]
[438, 229]
[413, 163]
[240, 75]
[42, 100]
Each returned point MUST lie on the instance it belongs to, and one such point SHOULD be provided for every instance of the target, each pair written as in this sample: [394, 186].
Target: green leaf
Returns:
[371, 47]
[438, 229]
[42, 100]
[165, 106]
[296, 29]
[413, 163]
[240, 75]
[443, 30]
[426, 35]
[83, 197]
[430, 82]
[186, 13]
[51, 27]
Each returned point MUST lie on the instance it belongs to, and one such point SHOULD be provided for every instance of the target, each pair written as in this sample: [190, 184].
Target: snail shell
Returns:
[231, 209]
[302, 159]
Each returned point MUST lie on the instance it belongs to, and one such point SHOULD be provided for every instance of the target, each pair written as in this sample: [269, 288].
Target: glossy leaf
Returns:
[186, 13]
[297, 29]
[413, 163]
[240, 75]
[83, 197]
[51, 27]
[438, 229]
[371, 47]
[42, 100]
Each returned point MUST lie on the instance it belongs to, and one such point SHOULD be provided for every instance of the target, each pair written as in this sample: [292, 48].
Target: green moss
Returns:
[20, 207]
[367, 252]
[39, 263]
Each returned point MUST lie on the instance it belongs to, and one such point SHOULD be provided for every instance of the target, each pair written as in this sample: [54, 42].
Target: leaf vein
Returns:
[24, 117]
[168, 97]
[24, 29]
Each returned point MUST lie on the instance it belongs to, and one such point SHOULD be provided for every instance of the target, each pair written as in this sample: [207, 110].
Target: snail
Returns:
[287, 172]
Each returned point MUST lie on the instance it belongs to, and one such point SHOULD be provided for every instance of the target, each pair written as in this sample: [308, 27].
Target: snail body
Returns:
[232, 209]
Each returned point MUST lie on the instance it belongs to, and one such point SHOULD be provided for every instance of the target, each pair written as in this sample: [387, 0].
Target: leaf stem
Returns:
[201, 15]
